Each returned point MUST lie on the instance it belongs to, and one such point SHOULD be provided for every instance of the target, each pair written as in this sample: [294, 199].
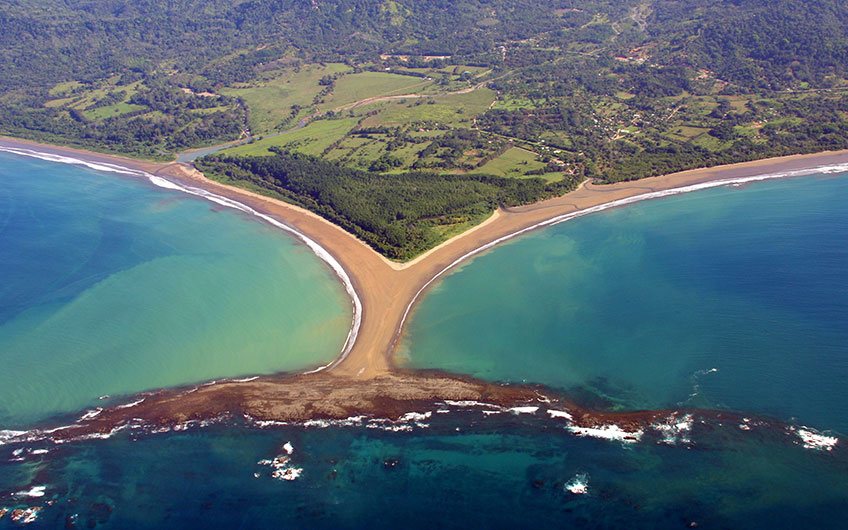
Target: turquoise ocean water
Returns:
[731, 298]
[113, 286]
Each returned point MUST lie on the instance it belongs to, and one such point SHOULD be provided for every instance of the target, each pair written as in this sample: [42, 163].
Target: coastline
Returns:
[364, 384]
[389, 291]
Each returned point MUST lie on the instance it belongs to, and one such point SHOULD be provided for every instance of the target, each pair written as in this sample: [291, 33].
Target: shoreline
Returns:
[150, 174]
[364, 381]
[388, 292]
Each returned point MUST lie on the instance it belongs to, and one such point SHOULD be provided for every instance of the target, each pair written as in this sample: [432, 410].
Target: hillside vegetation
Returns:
[542, 91]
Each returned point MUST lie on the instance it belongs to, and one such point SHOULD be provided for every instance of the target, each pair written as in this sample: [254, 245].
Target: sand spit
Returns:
[364, 379]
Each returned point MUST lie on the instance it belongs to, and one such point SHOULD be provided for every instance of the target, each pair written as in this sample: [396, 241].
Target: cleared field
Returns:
[270, 100]
[513, 163]
[356, 87]
[409, 153]
[457, 109]
[358, 152]
[84, 97]
[312, 139]
[63, 89]
[111, 111]
[56, 103]
[512, 103]
[685, 133]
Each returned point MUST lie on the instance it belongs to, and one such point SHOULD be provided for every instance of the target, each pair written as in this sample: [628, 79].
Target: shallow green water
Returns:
[113, 286]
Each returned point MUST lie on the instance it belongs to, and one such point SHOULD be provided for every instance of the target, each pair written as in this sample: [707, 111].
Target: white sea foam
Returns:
[675, 429]
[131, 404]
[404, 423]
[607, 432]
[35, 491]
[579, 485]
[291, 473]
[415, 416]
[246, 379]
[95, 435]
[8, 436]
[353, 421]
[468, 403]
[159, 430]
[317, 249]
[288, 448]
[560, 414]
[391, 427]
[281, 466]
[91, 414]
[57, 429]
[523, 410]
[25, 515]
[813, 439]
[269, 423]
[100, 166]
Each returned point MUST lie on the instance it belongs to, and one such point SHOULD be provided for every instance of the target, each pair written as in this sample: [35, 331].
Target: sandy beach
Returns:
[388, 290]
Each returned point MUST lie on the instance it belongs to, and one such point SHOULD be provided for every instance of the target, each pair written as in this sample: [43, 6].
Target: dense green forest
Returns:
[70, 69]
[455, 91]
[398, 215]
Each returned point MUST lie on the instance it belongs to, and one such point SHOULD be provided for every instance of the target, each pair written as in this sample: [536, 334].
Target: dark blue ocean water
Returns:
[630, 308]
[464, 471]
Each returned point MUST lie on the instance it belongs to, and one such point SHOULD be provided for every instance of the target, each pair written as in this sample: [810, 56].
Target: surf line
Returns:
[826, 169]
[316, 248]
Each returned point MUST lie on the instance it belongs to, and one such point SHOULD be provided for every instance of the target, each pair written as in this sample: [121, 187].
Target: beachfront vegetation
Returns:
[399, 215]
[536, 90]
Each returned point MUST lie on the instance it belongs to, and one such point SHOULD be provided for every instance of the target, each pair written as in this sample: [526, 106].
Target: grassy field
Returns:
[111, 111]
[66, 88]
[456, 110]
[514, 163]
[270, 99]
[84, 98]
[312, 139]
[355, 87]
[412, 124]
[513, 103]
